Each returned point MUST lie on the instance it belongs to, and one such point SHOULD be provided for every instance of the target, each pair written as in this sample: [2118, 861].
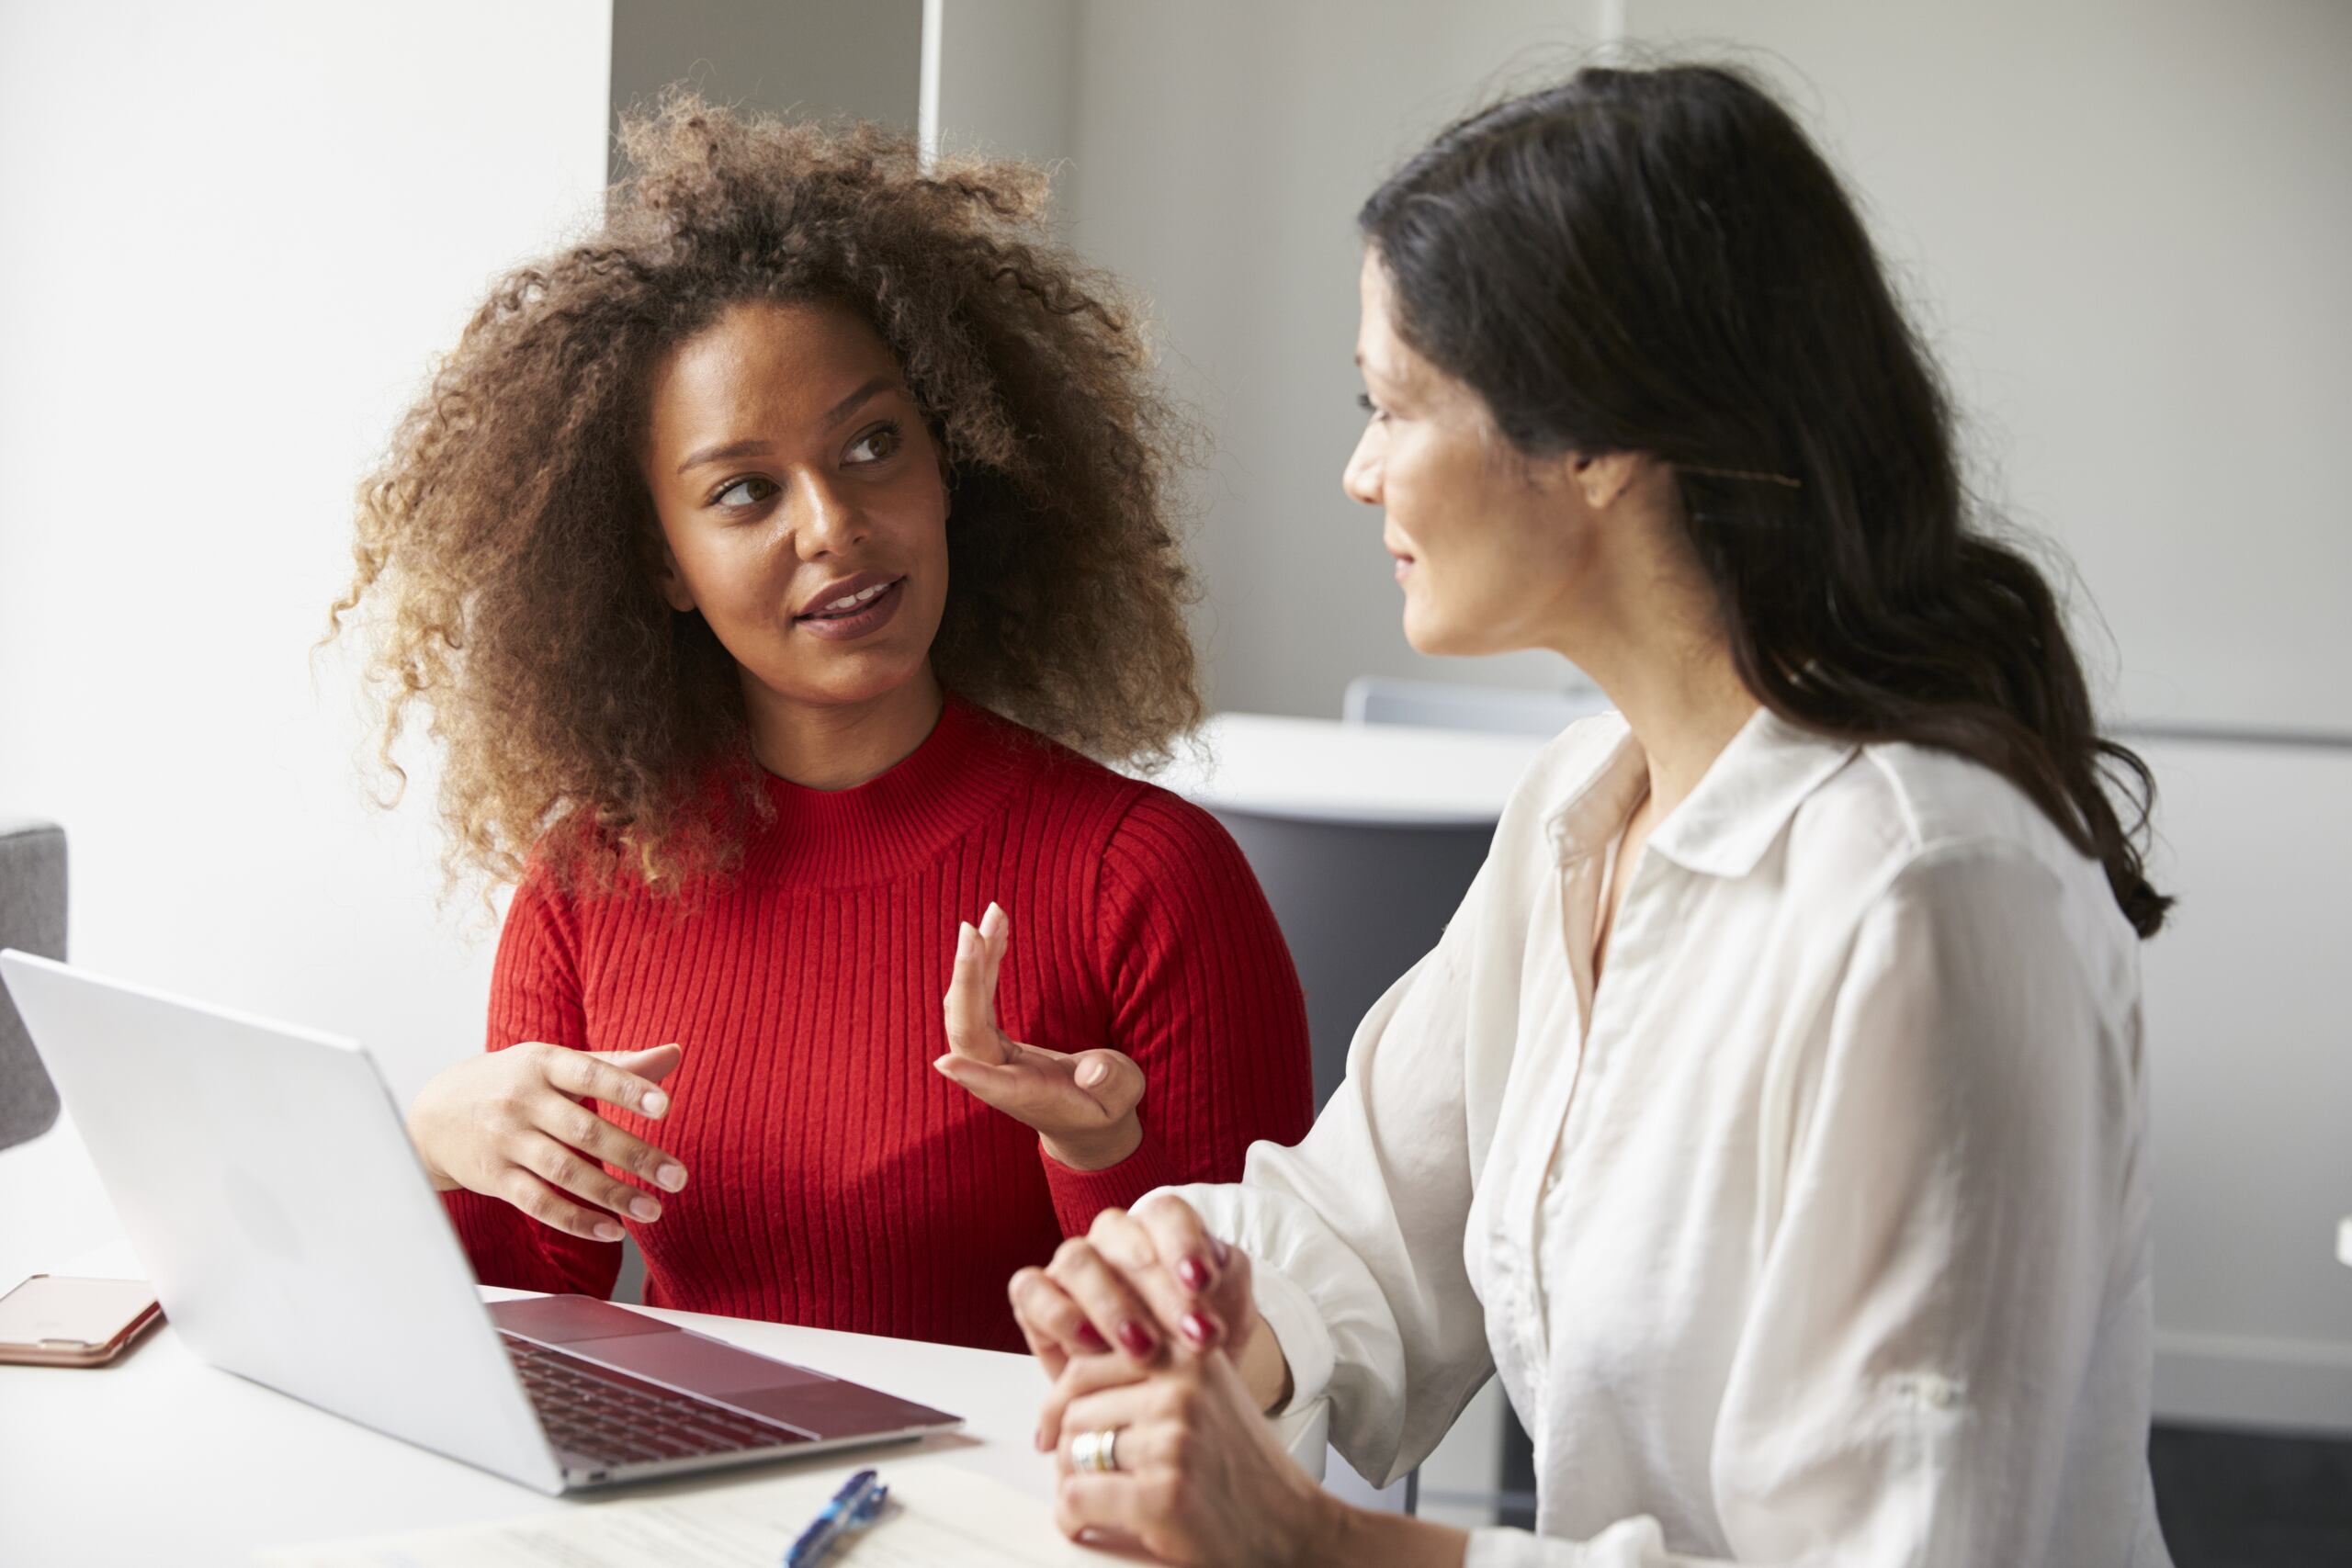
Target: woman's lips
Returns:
[847, 626]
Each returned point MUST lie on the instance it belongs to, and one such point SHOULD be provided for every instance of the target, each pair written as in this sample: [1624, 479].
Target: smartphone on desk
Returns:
[54, 1321]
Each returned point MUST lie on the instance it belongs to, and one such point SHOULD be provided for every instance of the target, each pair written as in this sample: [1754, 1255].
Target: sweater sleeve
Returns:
[535, 993]
[1203, 996]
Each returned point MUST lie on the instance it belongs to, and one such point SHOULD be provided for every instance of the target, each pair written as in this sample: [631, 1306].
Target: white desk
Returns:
[161, 1462]
[1370, 774]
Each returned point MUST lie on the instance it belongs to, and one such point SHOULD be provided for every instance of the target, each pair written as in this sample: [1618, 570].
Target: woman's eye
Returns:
[875, 444]
[1363, 402]
[747, 492]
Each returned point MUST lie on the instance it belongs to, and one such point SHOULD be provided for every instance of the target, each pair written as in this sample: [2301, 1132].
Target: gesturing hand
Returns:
[511, 1124]
[1082, 1103]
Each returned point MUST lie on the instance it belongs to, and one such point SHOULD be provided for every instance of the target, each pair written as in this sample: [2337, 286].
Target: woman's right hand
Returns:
[1135, 1281]
[511, 1124]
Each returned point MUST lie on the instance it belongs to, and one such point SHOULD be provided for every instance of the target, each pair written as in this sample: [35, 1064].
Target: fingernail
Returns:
[1220, 1251]
[645, 1208]
[963, 941]
[1091, 1075]
[656, 1103]
[1193, 1272]
[1138, 1340]
[607, 1231]
[1092, 1337]
[1199, 1329]
[994, 917]
[1045, 1442]
[672, 1176]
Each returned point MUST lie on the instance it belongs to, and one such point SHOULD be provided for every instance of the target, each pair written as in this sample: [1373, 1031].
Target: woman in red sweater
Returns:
[716, 551]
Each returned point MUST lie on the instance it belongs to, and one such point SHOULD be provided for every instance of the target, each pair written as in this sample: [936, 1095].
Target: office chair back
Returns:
[32, 916]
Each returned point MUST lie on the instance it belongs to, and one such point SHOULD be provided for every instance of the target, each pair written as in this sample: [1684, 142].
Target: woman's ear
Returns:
[669, 580]
[1605, 478]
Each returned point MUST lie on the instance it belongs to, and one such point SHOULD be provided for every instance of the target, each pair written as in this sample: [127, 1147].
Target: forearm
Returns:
[1351, 1537]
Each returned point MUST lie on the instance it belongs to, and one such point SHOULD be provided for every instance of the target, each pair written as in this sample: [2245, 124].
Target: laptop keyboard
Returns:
[614, 1419]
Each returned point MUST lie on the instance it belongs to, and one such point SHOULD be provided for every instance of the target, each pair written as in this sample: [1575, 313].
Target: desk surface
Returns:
[1375, 774]
[163, 1461]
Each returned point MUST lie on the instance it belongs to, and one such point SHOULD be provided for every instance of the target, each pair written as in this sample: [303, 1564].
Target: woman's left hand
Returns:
[1199, 1476]
[1082, 1103]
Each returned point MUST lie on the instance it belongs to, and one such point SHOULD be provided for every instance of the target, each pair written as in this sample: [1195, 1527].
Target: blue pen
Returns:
[857, 1502]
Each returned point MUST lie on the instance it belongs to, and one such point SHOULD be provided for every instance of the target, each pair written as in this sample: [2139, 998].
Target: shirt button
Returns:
[1935, 1391]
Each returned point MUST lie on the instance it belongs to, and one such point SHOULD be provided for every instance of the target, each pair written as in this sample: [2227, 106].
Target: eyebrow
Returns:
[833, 416]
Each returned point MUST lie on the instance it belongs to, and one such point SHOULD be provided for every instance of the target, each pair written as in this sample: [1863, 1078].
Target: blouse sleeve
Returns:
[1355, 1235]
[1958, 1174]
[535, 993]
[1203, 996]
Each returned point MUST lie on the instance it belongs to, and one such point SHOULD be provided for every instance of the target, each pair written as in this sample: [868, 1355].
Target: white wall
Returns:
[236, 234]
[1004, 79]
[811, 58]
[1221, 151]
[2250, 1055]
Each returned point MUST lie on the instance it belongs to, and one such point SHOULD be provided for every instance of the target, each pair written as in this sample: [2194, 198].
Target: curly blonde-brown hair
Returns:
[507, 545]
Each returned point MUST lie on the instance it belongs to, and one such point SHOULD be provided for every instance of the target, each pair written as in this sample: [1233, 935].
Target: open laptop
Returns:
[267, 1181]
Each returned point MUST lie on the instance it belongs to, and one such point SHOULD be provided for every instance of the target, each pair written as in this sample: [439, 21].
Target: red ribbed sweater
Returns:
[834, 1178]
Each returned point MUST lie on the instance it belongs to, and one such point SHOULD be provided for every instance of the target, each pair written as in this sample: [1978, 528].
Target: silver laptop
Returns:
[265, 1179]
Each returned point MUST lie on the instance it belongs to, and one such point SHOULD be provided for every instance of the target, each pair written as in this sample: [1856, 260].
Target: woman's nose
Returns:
[826, 522]
[1360, 479]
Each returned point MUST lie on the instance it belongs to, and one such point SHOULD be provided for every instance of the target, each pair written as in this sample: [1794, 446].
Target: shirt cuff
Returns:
[1291, 1316]
[1628, 1541]
[1080, 1195]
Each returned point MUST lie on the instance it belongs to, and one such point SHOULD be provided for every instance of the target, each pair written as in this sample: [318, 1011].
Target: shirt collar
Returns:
[1738, 810]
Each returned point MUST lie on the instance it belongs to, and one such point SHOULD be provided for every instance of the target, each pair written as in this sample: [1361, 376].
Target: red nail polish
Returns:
[1199, 1329]
[1092, 1337]
[1138, 1340]
[1193, 1272]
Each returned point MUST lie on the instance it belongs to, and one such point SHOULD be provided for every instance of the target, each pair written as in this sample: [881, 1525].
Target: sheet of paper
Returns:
[940, 1513]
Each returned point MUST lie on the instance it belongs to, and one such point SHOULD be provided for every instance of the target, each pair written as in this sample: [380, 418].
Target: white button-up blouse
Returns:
[1818, 1232]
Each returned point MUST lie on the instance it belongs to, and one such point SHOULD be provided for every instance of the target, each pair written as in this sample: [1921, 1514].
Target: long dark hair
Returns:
[1660, 262]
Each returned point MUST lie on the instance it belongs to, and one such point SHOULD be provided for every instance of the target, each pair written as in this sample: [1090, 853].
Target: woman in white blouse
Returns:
[1771, 1117]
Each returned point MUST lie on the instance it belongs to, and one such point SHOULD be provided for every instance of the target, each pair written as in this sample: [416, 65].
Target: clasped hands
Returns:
[1149, 1329]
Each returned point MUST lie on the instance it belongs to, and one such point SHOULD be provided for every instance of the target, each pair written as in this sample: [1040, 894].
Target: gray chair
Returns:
[32, 917]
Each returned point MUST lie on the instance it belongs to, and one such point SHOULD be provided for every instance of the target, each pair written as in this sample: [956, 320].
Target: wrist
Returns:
[1329, 1536]
[1266, 1370]
[1339, 1535]
[1098, 1148]
[433, 1173]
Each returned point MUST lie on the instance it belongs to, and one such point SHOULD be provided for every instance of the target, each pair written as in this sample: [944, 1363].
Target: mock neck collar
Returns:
[1724, 826]
[904, 815]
